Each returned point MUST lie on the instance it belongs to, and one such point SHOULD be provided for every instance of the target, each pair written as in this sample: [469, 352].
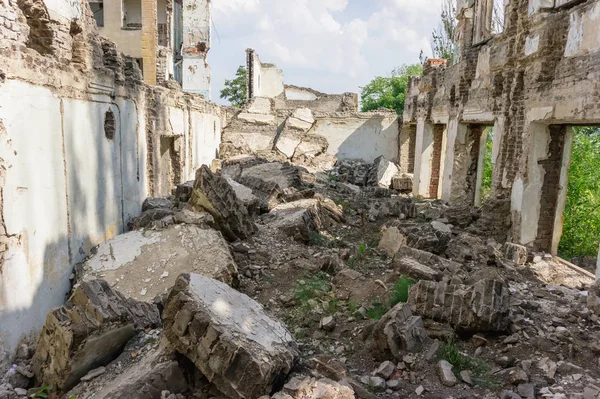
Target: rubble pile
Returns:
[263, 280]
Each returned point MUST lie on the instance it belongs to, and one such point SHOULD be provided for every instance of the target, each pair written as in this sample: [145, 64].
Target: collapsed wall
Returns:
[83, 141]
[530, 70]
[305, 126]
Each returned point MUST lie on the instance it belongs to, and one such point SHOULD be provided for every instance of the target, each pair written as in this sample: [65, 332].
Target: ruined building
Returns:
[531, 78]
[135, 211]
[169, 39]
[84, 140]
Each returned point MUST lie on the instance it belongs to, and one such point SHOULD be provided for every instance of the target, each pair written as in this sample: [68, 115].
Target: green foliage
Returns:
[376, 310]
[480, 369]
[488, 167]
[42, 393]
[442, 39]
[400, 290]
[399, 294]
[311, 287]
[235, 89]
[581, 232]
[388, 92]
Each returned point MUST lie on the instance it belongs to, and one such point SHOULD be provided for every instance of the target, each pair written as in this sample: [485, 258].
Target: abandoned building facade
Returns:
[531, 81]
[169, 39]
[91, 125]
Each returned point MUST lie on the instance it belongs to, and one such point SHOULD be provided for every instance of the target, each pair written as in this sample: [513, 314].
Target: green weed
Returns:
[480, 369]
[311, 287]
[400, 290]
[377, 310]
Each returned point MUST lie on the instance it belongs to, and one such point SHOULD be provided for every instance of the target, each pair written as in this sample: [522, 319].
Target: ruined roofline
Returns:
[316, 92]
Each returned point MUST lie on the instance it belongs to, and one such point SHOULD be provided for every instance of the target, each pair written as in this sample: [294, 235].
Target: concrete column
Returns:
[149, 40]
[423, 154]
[454, 130]
[480, 166]
[196, 43]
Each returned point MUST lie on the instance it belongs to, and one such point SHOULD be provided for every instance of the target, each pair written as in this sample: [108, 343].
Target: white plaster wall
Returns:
[63, 194]
[271, 82]
[206, 138]
[196, 23]
[134, 157]
[454, 131]
[584, 32]
[64, 9]
[360, 137]
[196, 76]
[426, 155]
[295, 94]
[35, 274]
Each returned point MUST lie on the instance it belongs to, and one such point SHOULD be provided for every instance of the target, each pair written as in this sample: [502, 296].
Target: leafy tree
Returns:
[235, 90]
[388, 92]
[488, 167]
[581, 232]
[442, 38]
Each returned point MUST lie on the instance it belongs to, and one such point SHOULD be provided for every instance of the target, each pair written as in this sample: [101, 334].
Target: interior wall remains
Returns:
[74, 175]
[539, 71]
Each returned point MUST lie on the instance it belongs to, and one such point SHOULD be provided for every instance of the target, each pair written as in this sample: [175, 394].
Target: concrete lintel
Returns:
[478, 115]
[540, 113]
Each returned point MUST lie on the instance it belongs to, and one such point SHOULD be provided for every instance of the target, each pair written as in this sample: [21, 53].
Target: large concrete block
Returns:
[143, 265]
[412, 268]
[398, 333]
[228, 336]
[381, 173]
[213, 194]
[480, 307]
[298, 220]
[87, 332]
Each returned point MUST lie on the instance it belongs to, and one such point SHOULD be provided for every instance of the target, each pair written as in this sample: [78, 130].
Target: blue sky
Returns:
[332, 46]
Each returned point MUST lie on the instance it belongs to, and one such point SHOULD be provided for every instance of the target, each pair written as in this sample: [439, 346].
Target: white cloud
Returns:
[330, 45]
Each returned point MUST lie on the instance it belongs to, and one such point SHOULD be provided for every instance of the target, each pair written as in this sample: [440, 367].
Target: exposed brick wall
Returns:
[412, 143]
[533, 72]
[149, 40]
[408, 137]
[551, 188]
[436, 160]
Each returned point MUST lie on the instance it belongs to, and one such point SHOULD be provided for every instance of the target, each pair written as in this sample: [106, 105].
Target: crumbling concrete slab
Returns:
[398, 333]
[144, 377]
[213, 194]
[381, 173]
[312, 388]
[391, 240]
[411, 268]
[257, 119]
[89, 331]
[299, 220]
[228, 336]
[245, 195]
[301, 119]
[483, 306]
[144, 265]
[271, 176]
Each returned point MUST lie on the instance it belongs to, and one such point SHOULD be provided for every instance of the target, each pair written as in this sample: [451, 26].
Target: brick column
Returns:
[149, 40]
